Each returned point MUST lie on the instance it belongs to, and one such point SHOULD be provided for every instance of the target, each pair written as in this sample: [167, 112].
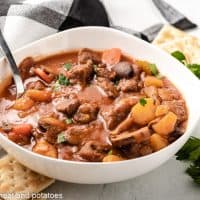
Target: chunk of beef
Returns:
[51, 127]
[81, 73]
[178, 107]
[127, 85]
[123, 69]
[86, 113]
[66, 152]
[25, 66]
[168, 94]
[76, 134]
[68, 106]
[102, 71]
[108, 87]
[38, 85]
[94, 151]
[152, 92]
[86, 55]
[125, 138]
[118, 112]
[136, 70]
[145, 150]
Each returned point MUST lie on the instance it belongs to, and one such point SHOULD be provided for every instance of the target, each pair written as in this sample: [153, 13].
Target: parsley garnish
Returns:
[110, 152]
[191, 152]
[62, 80]
[179, 56]
[143, 102]
[67, 66]
[194, 68]
[69, 121]
[153, 69]
[61, 138]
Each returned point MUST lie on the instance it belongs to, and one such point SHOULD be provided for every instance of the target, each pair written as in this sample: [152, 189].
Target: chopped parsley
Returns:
[69, 121]
[143, 102]
[110, 152]
[62, 80]
[191, 152]
[67, 66]
[179, 56]
[61, 138]
[153, 69]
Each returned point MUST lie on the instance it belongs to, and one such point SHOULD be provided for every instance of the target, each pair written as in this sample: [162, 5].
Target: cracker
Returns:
[171, 39]
[167, 34]
[17, 179]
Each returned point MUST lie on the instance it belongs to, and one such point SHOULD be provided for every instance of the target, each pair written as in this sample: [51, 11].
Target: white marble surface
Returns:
[169, 181]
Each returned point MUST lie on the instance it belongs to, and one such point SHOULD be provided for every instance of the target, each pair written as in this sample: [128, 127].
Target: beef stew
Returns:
[93, 106]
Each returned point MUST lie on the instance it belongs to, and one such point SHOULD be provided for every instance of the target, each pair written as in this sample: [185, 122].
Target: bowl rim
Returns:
[124, 34]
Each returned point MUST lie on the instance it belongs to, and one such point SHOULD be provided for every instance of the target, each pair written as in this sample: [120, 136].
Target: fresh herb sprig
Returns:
[194, 68]
[191, 152]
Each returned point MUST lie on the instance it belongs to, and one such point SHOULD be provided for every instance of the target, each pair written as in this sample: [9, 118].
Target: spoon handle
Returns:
[13, 66]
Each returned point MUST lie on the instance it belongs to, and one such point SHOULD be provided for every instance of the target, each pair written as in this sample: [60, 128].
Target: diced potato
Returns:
[44, 148]
[39, 95]
[143, 114]
[144, 65]
[24, 103]
[157, 142]
[161, 110]
[153, 81]
[166, 125]
[112, 158]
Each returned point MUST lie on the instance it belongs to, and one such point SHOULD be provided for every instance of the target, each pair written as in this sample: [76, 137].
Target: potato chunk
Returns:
[112, 158]
[161, 110]
[44, 148]
[157, 142]
[153, 81]
[166, 125]
[143, 114]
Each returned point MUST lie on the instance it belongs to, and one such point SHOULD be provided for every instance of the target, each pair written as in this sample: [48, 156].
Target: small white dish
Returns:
[104, 38]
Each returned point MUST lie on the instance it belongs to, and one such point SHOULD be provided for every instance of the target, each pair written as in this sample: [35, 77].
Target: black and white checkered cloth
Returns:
[33, 19]
[24, 21]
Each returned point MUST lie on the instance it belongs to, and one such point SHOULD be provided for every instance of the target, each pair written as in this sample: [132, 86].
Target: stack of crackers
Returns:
[171, 39]
[16, 179]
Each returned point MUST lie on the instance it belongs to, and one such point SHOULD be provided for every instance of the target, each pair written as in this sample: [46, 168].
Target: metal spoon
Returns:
[13, 66]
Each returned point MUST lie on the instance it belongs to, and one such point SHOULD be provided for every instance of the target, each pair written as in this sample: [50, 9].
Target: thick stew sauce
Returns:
[93, 106]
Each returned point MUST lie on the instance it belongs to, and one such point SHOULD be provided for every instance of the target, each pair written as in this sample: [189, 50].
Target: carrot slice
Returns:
[39, 95]
[24, 103]
[22, 129]
[43, 75]
[111, 56]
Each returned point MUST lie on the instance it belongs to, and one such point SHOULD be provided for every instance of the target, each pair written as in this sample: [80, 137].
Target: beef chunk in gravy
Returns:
[108, 87]
[86, 113]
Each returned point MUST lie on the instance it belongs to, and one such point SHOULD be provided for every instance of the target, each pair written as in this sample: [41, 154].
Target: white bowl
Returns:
[103, 38]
